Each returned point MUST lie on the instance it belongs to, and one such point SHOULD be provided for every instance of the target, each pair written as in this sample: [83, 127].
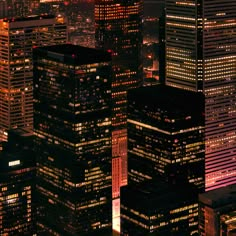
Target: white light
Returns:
[14, 163]
[9, 201]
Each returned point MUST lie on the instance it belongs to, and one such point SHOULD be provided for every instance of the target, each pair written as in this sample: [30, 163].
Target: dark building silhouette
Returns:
[165, 161]
[153, 8]
[17, 184]
[201, 56]
[72, 123]
[166, 135]
[159, 209]
[217, 212]
[3, 9]
[118, 29]
[16, 8]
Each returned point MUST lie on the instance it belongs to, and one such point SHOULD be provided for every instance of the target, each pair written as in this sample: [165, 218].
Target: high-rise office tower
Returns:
[217, 212]
[161, 49]
[17, 37]
[17, 185]
[72, 123]
[165, 144]
[201, 56]
[158, 209]
[166, 136]
[118, 29]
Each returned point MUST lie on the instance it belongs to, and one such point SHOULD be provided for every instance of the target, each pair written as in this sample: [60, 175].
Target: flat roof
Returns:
[168, 98]
[28, 18]
[149, 196]
[163, 95]
[73, 54]
[219, 197]
[24, 132]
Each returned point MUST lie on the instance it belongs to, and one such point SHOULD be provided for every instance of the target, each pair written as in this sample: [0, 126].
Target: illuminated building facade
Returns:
[118, 29]
[201, 56]
[17, 185]
[162, 47]
[165, 162]
[158, 209]
[72, 123]
[217, 212]
[166, 136]
[17, 37]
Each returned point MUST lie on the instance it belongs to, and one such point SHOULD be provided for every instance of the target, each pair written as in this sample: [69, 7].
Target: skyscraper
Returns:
[201, 56]
[17, 37]
[158, 208]
[118, 29]
[161, 49]
[165, 162]
[217, 212]
[72, 123]
[17, 185]
[166, 136]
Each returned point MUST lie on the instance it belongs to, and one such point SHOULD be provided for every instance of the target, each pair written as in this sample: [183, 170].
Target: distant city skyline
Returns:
[115, 115]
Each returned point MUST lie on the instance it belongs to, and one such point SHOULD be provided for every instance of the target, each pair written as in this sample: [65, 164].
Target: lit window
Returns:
[14, 163]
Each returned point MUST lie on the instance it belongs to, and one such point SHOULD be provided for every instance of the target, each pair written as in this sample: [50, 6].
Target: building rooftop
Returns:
[24, 132]
[73, 54]
[169, 108]
[28, 18]
[219, 197]
[159, 195]
[167, 97]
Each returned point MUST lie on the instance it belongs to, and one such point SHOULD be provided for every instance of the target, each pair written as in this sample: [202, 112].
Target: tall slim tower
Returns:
[118, 29]
[201, 56]
[72, 123]
[17, 37]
